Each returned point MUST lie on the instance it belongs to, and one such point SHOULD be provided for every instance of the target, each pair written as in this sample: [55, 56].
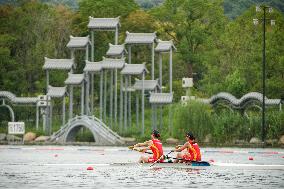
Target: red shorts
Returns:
[187, 157]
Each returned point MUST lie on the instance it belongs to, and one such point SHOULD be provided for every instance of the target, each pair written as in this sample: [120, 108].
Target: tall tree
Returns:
[240, 62]
[34, 30]
[195, 26]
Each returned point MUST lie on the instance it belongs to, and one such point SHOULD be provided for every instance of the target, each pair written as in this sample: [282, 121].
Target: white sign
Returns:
[16, 128]
[187, 82]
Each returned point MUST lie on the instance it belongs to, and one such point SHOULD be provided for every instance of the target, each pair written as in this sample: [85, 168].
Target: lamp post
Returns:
[264, 9]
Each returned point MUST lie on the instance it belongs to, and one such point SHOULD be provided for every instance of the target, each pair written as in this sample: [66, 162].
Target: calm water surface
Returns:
[66, 167]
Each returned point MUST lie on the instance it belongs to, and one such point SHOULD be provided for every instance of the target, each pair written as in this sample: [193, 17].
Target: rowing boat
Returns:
[203, 165]
[167, 164]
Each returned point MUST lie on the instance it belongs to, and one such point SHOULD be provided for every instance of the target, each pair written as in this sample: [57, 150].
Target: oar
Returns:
[168, 157]
[138, 150]
[160, 158]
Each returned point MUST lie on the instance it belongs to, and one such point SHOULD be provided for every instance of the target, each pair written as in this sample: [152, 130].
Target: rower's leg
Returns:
[143, 159]
[179, 156]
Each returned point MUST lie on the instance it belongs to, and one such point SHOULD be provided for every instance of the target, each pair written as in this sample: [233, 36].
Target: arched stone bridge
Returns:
[102, 134]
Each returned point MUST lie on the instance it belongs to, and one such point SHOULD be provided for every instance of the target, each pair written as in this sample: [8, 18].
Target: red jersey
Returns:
[157, 149]
[194, 152]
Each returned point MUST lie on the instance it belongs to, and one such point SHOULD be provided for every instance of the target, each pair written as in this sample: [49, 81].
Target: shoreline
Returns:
[279, 146]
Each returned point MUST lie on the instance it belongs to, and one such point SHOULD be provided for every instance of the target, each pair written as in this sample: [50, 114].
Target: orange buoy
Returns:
[250, 158]
[90, 168]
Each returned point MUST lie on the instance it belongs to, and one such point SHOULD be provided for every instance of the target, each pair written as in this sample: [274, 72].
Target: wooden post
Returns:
[161, 71]
[71, 102]
[50, 119]
[171, 72]
[153, 61]
[82, 98]
[129, 102]
[161, 117]
[121, 103]
[125, 102]
[47, 80]
[105, 95]
[63, 111]
[87, 52]
[142, 103]
[137, 110]
[92, 94]
[115, 98]
[129, 54]
[111, 97]
[101, 94]
[116, 35]
[87, 95]
[93, 46]
[37, 117]
[73, 56]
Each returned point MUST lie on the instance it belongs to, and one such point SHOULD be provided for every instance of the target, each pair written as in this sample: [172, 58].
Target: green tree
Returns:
[240, 60]
[195, 26]
[7, 62]
[32, 31]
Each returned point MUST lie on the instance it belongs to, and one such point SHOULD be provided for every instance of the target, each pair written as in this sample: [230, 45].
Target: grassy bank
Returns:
[221, 125]
[224, 125]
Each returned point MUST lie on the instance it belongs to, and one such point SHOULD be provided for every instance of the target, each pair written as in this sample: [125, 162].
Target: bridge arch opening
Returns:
[80, 133]
[6, 109]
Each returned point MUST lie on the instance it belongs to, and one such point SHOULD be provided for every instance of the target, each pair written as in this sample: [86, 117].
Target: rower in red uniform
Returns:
[154, 145]
[192, 153]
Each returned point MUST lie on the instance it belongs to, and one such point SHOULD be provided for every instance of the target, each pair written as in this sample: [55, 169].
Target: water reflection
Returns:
[192, 171]
[156, 169]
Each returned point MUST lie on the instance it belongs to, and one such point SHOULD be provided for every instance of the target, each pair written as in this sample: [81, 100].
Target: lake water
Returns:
[66, 167]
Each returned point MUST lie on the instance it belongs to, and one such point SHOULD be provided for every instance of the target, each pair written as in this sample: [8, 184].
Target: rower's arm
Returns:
[146, 144]
[144, 149]
[181, 148]
[139, 145]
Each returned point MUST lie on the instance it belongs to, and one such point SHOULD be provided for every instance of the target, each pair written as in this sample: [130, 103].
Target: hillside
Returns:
[232, 8]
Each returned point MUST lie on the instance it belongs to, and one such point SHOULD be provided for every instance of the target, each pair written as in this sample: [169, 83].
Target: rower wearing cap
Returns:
[154, 145]
[192, 153]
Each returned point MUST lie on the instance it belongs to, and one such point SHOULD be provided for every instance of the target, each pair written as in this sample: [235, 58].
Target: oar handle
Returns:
[131, 147]
[178, 146]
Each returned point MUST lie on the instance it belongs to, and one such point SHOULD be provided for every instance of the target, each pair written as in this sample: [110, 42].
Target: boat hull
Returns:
[166, 164]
